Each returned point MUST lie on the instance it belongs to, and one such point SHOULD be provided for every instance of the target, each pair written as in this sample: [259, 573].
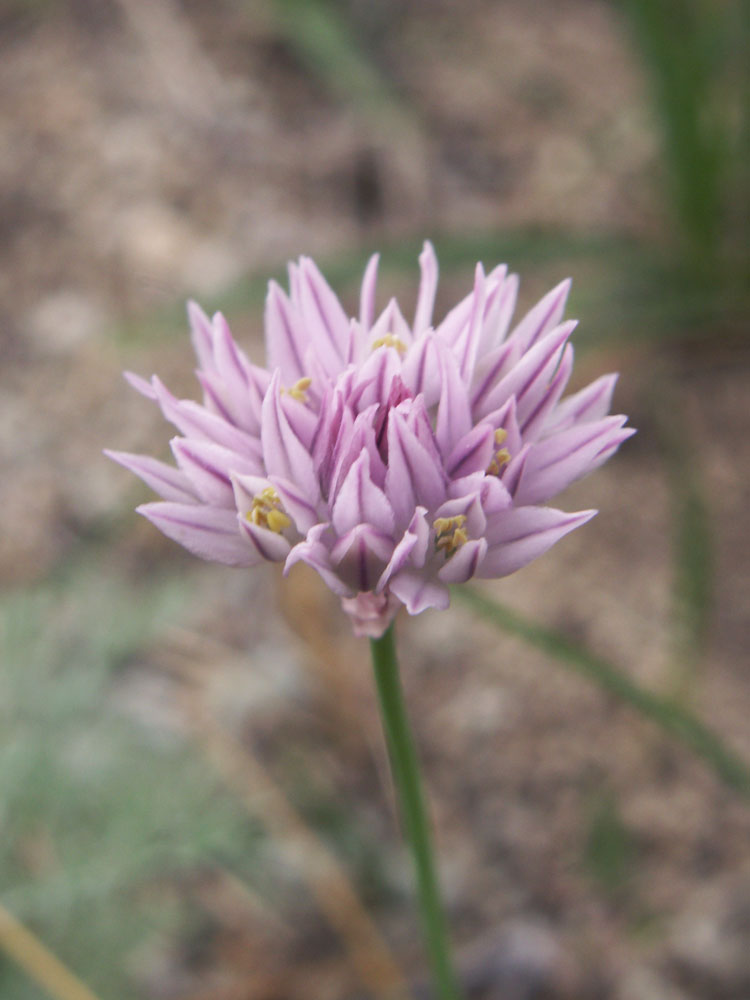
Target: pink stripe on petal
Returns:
[205, 531]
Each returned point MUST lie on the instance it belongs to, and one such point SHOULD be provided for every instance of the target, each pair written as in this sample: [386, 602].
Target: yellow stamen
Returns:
[277, 520]
[502, 456]
[266, 511]
[449, 533]
[390, 340]
[299, 389]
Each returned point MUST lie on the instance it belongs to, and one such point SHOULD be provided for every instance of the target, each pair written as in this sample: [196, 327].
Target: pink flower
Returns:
[394, 458]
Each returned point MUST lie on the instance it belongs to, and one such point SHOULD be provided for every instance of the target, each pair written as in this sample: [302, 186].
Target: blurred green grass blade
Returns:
[325, 42]
[683, 44]
[692, 538]
[669, 716]
[610, 850]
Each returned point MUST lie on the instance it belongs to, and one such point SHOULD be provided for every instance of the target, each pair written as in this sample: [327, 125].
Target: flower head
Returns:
[393, 457]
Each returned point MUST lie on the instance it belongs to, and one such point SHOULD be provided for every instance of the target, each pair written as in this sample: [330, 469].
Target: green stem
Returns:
[411, 800]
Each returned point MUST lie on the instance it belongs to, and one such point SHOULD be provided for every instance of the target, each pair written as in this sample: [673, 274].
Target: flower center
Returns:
[266, 511]
[299, 389]
[449, 533]
[501, 456]
[390, 340]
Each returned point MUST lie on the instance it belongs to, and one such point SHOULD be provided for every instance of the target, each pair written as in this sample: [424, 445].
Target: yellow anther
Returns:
[390, 340]
[501, 457]
[299, 389]
[449, 533]
[277, 520]
[266, 511]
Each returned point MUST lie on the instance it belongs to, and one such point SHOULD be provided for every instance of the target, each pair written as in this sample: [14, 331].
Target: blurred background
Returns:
[194, 796]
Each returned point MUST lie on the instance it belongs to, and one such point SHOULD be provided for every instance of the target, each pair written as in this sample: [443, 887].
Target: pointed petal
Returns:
[539, 400]
[467, 345]
[453, 419]
[314, 552]
[296, 504]
[359, 501]
[530, 377]
[168, 482]
[285, 336]
[367, 295]
[412, 477]
[553, 464]
[207, 532]
[473, 452]
[360, 555]
[465, 562]
[322, 310]
[411, 549]
[231, 365]
[420, 369]
[590, 403]
[209, 467]
[521, 534]
[283, 452]
[200, 334]
[545, 315]
[427, 287]
[419, 592]
[270, 544]
[140, 384]
[501, 303]
[194, 420]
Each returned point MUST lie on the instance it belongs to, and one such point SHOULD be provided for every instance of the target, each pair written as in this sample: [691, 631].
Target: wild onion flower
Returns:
[395, 458]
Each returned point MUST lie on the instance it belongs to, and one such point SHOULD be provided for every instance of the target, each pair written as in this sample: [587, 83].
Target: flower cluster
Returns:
[394, 458]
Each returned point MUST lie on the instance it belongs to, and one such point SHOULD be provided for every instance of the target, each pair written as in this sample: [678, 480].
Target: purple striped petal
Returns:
[545, 315]
[419, 593]
[465, 562]
[360, 501]
[590, 403]
[285, 339]
[521, 534]
[207, 532]
[270, 545]
[168, 482]
[283, 452]
[427, 288]
[209, 468]
[558, 461]
[367, 295]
